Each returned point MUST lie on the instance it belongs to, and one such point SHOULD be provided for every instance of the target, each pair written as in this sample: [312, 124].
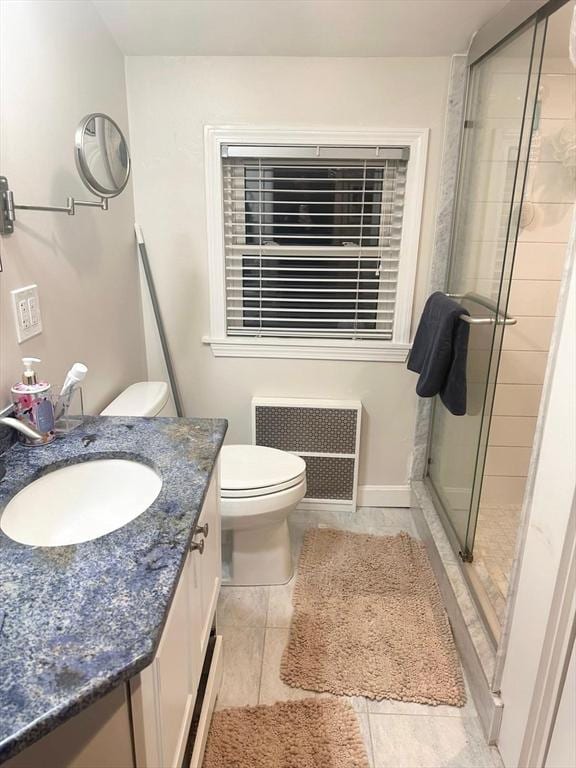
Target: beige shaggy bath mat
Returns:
[369, 621]
[311, 733]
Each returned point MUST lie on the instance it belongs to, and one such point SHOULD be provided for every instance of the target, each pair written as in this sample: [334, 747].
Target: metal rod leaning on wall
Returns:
[158, 316]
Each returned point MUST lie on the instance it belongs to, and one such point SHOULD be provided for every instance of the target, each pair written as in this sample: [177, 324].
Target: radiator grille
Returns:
[329, 477]
[326, 436]
[318, 430]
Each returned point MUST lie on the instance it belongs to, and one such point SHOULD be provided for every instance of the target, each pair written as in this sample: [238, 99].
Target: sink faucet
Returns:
[34, 436]
[20, 426]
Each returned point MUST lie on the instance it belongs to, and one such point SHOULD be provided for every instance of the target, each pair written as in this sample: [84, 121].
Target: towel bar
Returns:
[501, 318]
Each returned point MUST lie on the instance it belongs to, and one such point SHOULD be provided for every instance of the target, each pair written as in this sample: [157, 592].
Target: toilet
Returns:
[260, 486]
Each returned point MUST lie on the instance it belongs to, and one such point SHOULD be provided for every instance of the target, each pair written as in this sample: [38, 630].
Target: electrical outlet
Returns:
[33, 310]
[23, 314]
[27, 315]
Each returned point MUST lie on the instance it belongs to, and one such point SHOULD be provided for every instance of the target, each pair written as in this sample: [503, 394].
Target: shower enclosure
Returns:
[502, 108]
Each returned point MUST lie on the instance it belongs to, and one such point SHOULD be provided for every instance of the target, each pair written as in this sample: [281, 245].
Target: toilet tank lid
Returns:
[145, 398]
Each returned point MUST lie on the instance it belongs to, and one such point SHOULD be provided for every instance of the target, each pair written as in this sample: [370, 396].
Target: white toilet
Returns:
[259, 488]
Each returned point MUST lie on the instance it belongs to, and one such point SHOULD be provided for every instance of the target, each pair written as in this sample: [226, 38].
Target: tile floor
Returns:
[494, 548]
[254, 622]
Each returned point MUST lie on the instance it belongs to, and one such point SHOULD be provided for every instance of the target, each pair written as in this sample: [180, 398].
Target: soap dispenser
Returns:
[32, 404]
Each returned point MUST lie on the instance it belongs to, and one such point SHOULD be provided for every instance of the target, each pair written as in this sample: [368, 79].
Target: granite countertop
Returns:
[77, 620]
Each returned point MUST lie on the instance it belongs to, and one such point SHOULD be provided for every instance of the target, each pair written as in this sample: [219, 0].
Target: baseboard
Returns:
[326, 505]
[368, 496]
[384, 496]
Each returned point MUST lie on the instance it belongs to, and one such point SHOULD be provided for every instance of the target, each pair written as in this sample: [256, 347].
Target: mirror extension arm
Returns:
[8, 207]
[102, 160]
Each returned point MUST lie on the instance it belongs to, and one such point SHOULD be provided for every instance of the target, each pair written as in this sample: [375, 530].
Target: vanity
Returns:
[108, 651]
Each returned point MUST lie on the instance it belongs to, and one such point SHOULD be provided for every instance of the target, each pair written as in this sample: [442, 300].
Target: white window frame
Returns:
[395, 350]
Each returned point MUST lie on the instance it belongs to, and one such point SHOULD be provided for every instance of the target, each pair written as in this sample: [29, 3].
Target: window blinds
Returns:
[312, 243]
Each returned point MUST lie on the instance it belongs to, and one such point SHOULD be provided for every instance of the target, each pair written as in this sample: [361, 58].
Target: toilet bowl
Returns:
[259, 488]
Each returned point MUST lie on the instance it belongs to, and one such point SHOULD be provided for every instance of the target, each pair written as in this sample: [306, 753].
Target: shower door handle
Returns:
[500, 319]
[505, 319]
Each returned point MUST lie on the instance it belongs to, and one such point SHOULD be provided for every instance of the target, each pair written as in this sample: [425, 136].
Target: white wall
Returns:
[562, 751]
[58, 64]
[170, 101]
[548, 541]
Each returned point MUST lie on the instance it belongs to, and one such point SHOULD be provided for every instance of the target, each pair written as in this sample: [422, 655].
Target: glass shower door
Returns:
[500, 108]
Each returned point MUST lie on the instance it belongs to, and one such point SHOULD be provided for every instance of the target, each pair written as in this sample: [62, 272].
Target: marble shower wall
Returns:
[443, 231]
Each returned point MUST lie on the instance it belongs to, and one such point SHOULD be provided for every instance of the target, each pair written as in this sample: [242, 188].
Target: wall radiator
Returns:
[326, 433]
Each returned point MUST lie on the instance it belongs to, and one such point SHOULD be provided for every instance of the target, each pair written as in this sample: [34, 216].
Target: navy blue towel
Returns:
[439, 352]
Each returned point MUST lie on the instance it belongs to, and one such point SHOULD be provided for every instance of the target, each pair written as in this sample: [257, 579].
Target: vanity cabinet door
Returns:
[163, 694]
[176, 675]
[210, 560]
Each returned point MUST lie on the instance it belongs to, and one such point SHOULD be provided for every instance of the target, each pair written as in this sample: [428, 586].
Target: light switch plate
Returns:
[27, 317]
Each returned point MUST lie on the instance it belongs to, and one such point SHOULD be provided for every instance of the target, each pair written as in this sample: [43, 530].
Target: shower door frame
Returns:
[484, 45]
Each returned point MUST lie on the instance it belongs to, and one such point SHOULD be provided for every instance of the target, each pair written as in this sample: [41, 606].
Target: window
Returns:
[312, 256]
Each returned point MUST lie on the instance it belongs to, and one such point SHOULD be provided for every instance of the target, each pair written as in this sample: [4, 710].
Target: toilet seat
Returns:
[248, 471]
[269, 490]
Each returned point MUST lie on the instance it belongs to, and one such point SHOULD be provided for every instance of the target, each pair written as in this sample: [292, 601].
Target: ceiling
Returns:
[295, 27]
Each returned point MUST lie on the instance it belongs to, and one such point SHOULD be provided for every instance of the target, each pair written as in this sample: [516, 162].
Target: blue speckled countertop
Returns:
[77, 620]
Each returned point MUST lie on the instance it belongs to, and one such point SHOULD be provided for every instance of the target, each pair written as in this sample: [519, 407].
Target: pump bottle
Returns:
[32, 404]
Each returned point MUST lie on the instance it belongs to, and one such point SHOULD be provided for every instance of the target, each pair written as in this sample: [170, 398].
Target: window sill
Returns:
[313, 349]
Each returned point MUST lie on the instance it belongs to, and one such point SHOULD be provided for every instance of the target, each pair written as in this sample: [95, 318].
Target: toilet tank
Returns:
[145, 398]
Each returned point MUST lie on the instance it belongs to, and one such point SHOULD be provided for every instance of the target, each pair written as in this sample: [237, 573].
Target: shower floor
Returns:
[494, 549]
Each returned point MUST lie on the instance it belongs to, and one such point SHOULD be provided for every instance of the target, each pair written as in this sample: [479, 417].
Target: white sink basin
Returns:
[80, 502]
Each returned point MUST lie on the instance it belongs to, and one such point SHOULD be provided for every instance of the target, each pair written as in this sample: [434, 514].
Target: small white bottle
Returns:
[74, 378]
[32, 404]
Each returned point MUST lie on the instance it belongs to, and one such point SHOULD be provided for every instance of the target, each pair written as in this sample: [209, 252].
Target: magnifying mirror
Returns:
[102, 156]
[103, 162]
